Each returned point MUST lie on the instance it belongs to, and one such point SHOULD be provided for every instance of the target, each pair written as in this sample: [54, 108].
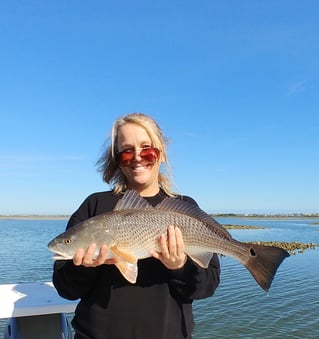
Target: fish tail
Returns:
[263, 263]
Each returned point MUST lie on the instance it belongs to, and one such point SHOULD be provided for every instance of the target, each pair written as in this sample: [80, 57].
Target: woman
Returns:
[159, 304]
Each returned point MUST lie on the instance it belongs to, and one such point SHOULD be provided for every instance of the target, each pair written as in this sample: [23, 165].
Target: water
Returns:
[238, 309]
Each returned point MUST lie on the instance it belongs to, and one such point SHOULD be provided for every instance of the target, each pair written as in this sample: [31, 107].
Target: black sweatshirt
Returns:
[158, 306]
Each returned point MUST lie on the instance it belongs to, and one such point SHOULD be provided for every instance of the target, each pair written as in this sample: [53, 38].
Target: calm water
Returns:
[239, 308]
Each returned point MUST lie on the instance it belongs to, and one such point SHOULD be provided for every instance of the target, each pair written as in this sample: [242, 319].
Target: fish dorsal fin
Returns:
[131, 200]
[192, 210]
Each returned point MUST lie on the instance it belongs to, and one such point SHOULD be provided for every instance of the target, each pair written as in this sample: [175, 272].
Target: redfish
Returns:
[131, 232]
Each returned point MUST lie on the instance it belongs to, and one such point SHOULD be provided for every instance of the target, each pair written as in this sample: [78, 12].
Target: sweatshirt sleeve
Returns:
[73, 282]
[195, 282]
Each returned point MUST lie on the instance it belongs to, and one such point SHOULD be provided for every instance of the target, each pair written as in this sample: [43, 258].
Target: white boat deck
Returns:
[29, 299]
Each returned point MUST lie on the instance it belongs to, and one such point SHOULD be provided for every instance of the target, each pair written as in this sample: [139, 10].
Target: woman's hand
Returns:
[87, 258]
[171, 249]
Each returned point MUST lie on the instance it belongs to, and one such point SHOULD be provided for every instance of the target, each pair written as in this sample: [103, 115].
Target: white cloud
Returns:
[297, 87]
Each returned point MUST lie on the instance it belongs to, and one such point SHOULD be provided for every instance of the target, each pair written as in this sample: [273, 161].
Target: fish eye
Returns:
[68, 241]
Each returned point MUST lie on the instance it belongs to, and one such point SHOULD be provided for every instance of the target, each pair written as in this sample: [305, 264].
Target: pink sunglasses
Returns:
[125, 158]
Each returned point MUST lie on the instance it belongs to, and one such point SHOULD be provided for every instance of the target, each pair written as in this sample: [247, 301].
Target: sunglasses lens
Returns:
[125, 158]
[150, 154]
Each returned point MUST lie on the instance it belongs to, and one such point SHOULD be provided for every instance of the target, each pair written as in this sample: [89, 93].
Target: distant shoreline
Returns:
[268, 217]
[34, 217]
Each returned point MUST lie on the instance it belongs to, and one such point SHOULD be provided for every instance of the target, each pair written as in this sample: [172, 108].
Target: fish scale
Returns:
[131, 232]
[144, 228]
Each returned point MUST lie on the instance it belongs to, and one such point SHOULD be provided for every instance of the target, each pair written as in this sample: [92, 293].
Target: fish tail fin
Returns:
[263, 263]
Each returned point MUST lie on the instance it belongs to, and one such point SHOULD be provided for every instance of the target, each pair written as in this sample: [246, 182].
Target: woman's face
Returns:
[141, 175]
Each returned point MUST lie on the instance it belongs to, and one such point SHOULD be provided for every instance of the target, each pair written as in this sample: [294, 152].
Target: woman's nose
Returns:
[137, 153]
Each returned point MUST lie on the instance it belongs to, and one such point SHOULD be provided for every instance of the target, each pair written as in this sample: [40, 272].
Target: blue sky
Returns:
[233, 84]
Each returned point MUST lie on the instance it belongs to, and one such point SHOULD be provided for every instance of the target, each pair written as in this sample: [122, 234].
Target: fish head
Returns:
[65, 245]
[82, 235]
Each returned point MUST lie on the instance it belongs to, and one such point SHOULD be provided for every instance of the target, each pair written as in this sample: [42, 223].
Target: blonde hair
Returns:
[109, 167]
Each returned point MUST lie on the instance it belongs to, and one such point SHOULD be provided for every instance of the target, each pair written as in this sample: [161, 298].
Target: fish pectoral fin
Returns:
[126, 256]
[129, 271]
[202, 259]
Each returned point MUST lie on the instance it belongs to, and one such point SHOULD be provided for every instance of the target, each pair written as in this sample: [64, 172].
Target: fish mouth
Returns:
[58, 255]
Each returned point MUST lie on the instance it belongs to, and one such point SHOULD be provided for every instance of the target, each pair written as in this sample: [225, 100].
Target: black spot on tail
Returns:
[252, 252]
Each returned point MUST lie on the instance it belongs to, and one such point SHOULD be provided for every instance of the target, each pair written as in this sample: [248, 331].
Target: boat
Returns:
[35, 311]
